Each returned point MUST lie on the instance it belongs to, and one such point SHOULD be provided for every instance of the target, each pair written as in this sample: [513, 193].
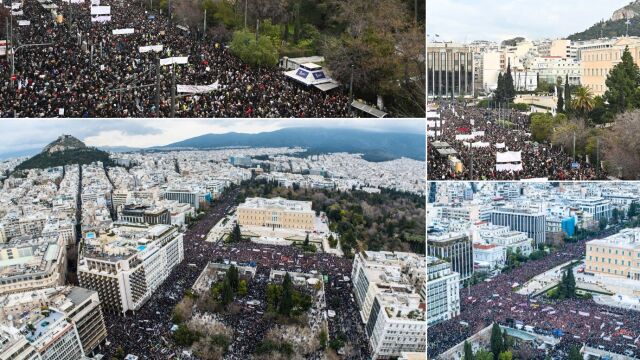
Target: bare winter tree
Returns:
[622, 147]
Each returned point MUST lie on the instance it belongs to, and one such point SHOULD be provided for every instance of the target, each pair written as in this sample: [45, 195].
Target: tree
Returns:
[227, 292]
[621, 146]
[468, 351]
[323, 338]
[622, 84]
[306, 240]
[574, 353]
[633, 210]
[615, 216]
[232, 274]
[583, 103]
[570, 284]
[509, 89]
[560, 105]
[499, 94]
[496, 341]
[242, 288]
[256, 52]
[505, 355]
[567, 96]
[286, 301]
[483, 355]
[541, 126]
[602, 224]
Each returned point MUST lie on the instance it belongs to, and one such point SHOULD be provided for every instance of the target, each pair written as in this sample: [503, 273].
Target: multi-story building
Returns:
[449, 70]
[617, 255]
[142, 214]
[526, 220]
[597, 58]
[455, 248]
[277, 213]
[186, 196]
[389, 301]
[489, 256]
[53, 323]
[598, 207]
[129, 262]
[28, 263]
[555, 69]
[443, 291]
[501, 235]
[30, 225]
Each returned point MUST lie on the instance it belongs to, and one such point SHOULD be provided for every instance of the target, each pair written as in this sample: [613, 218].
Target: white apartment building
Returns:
[63, 323]
[443, 291]
[516, 241]
[388, 289]
[128, 263]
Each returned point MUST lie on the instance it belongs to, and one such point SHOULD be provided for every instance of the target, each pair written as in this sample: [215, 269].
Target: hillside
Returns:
[374, 145]
[65, 150]
[615, 26]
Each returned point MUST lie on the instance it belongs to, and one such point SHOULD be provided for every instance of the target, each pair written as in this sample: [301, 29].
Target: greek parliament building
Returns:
[616, 256]
[449, 70]
[390, 292]
[277, 213]
[128, 262]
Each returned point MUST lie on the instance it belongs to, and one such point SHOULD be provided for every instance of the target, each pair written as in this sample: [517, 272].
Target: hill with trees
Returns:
[65, 150]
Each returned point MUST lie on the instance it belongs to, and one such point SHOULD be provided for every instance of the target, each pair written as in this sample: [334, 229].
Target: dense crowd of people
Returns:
[147, 333]
[86, 71]
[580, 321]
[538, 160]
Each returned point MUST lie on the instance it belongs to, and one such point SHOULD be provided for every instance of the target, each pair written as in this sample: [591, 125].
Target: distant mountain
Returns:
[375, 146]
[65, 150]
[615, 26]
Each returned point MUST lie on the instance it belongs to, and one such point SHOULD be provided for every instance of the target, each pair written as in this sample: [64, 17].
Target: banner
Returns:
[24, 22]
[122, 31]
[95, 2]
[465, 137]
[101, 10]
[478, 133]
[18, 13]
[509, 156]
[500, 146]
[49, 6]
[77, 1]
[508, 167]
[196, 89]
[174, 60]
[101, 18]
[16, 6]
[154, 48]
[480, 144]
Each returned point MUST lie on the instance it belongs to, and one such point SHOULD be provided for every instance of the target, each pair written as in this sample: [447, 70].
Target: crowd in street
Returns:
[147, 333]
[84, 70]
[502, 131]
[580, 321]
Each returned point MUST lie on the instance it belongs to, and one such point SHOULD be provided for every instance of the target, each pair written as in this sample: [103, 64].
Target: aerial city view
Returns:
[541, 97]
[286, 243]
[212, 58]
[522, 270]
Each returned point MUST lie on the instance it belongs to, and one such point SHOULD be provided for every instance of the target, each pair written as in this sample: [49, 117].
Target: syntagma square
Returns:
[212, 58]
[212, 239]
[551, 97]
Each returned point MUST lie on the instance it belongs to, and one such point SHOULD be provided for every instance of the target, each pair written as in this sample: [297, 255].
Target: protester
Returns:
[86, 71]
[538, 160]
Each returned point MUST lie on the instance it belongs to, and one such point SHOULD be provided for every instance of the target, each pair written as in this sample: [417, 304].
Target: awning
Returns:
[327, 86]
[368, 109]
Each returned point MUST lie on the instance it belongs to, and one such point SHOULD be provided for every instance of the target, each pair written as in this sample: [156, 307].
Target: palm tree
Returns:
[583, 101]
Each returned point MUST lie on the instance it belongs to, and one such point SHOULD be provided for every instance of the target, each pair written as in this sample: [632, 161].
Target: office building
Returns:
[455, 248]
[529, 221]
[142, 214]
[449, 70]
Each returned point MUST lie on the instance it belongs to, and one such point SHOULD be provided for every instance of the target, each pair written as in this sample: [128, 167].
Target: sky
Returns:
[497, 20]
[29, 136]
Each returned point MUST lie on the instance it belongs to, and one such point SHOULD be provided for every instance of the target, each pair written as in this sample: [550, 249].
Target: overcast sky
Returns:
[26, 137]
[497, 20]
